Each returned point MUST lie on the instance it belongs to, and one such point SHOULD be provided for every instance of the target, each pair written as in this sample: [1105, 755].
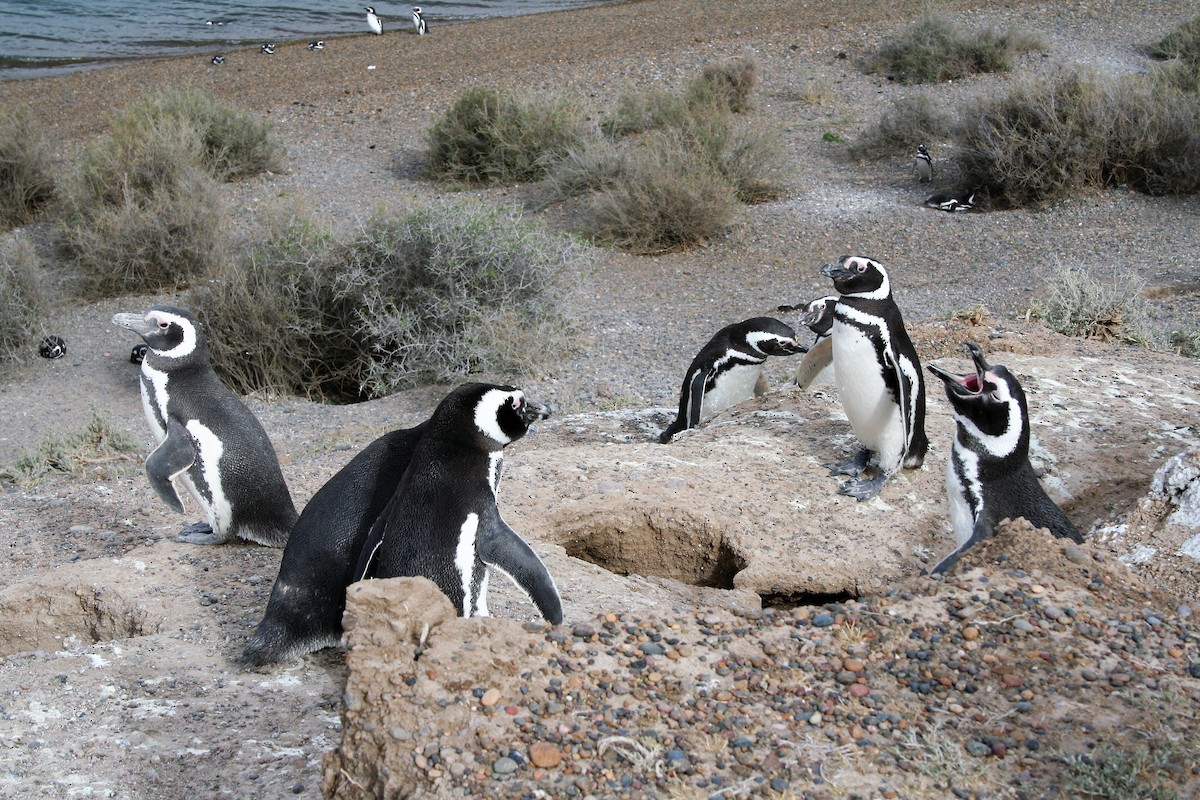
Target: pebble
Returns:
[544, 755]
[822, 620]
[504, 766]
[490, 697]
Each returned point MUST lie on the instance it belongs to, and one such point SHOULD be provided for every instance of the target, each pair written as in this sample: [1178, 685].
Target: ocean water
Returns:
[46, 37]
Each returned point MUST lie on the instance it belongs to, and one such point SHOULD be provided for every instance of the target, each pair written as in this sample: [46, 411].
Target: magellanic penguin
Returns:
[951, 200]
[319, 44]
[817, 316]
[988, 476]
[443, 522]
[304, 612]
[728, 369]
[207, 439]
[878, 376]
[419, 23]
[374, 22]
[52, 347]
[923, 164]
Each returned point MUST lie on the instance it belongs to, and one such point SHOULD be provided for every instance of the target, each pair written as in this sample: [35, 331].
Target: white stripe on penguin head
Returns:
[487, 413]
[885, 288]
[188, 345]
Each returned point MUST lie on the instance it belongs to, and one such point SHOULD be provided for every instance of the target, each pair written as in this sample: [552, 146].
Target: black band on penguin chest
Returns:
[732, 358]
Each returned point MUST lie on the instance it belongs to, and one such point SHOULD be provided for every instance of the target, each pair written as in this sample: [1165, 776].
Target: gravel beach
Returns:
[1005, 680]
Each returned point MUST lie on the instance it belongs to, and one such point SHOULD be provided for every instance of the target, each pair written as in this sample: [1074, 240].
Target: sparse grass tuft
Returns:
[430, 295]
[729, 83]
[490, 136]
[21, 299]
[1185, 342]
[638, 112]
[99, 442]
[1183, 41]
[1079, 305]
[933, 49]
[26, 176]
[911, 120]
[1141, 772]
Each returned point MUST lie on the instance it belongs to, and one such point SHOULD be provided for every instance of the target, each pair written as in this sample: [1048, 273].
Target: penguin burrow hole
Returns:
[53, 614]
[666, 545]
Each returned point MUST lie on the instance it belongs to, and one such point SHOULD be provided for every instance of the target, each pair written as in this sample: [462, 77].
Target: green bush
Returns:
[911, 120]
[21, 299]
[430, 295]
[933, 49]
[142, 212]
[489, 136]
[667, 198]
[1183, 41]
[234, 143]
[26, 174]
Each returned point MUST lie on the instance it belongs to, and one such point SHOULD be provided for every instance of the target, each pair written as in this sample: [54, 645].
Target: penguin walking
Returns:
[817, 316]
[878, 376]
[419, 23]
[443, 522]
[374, 22]
[207, 439]
[728, 370]
[988, 476]
[923, 164]
[951, 200]
[304, 612]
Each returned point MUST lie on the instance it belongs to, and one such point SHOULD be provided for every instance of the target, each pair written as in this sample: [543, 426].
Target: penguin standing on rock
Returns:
[989, 477]
[374, 22]
[208, 441]
[728, 370]
[443, 522]
[878, 376]
[304, 612]
[419, 24]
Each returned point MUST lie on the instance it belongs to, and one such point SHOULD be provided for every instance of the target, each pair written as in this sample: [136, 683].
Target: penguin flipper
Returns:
[980, 532]
[368, 557]
[695, 401]
[502, 548]
[818, 357]
[173, 456]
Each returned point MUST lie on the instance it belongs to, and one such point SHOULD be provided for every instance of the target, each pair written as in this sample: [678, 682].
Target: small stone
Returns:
[859, 690]
[822, 620]
[490, 697]
[978, 748]
[1073, 553]
[504, 766]
[545, 755]
[1023, 625]
[970, 633]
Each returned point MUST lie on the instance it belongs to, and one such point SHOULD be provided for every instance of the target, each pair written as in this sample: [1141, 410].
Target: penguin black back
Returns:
[443, 522]
[989, 477]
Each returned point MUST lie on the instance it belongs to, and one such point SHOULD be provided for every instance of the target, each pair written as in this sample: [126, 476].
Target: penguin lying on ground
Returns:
[304, 612]
[817, 316]
[951, 200]
[207, 439]
[443, 523]
[728, 369]
[878, 376]
[988, 476]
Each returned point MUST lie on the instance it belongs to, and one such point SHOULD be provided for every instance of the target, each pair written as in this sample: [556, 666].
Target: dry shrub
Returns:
[1183, 41]
[100, 441]
[1080, 305]
[1154, 144]
[933, 49]
[638, 112]
[729, 83]
[429, 295]
[668, 198]
[489, 136]
[26, 173]
[22, 299]
[911, 120]
[234, 143]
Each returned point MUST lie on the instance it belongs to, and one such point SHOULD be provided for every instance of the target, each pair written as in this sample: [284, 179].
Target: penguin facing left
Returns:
[373, 21]
[988, 476]
[817, 316]
[443, 522]
[304, 612]
[207, 439]
[728, 369]
[419, 23]
[878, 376]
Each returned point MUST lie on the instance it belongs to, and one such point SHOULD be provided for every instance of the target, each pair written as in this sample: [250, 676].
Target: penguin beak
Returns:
[134, 322]
[836, 271]
[970, 384]
[789, 347]
[532, 412]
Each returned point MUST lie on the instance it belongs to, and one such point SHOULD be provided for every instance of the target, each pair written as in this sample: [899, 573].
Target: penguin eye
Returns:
[162, 326]
[860, 267]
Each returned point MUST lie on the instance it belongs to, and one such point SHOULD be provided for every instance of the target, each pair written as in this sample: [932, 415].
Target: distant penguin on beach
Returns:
[419, 23]
[268, 49]
[374, 22]
[319, 44]
[218, 60]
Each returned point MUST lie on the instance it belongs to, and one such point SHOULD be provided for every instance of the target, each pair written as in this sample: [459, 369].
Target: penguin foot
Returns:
[862, 488]
[199, 533]
[854, 467]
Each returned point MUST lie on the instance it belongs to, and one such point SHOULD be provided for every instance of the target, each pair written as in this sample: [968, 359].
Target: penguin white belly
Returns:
[154, 405]
[735, 385]
[464, 562]
[873, 414]
[959, 488]
[217, 507]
